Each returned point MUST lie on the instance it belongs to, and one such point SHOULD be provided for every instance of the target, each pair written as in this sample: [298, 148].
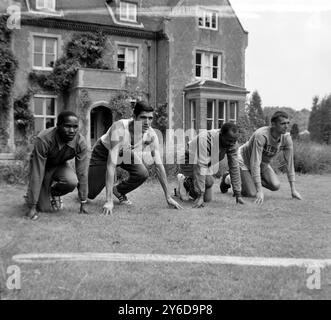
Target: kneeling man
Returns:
[124, 145]
[203, 154]
[50, 175]
[255, 157]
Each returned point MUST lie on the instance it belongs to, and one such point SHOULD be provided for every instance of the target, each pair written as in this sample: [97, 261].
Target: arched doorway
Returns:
[101, 120]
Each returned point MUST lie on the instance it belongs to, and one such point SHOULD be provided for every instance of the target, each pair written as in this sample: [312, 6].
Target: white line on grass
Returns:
[128, 257]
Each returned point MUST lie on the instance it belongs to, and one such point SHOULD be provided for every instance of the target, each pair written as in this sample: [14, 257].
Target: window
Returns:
[45, 4]
[45, 110]
[221, 113]
[44, 52]
[210, 114]
[127, 60]
[128, 11]
[193, 114]
[208, 19]
[208, 65]
[233, 111]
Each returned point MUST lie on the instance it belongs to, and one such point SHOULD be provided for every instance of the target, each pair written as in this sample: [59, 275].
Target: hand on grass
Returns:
[296, 195]
[259, 198]
[173, 204]
[199, 203]
[239, 200]
[32, 213]
[108, 208]
[83, 208]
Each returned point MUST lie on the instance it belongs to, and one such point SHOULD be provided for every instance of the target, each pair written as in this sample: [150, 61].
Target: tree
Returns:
[255, 112]
[320, 120]
[326, 133]
[295, 132]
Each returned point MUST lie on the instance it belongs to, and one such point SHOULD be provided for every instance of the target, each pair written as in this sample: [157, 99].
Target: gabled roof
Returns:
[214, 85]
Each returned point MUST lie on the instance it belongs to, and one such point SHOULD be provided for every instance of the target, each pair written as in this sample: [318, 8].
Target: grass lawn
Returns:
[281, 227]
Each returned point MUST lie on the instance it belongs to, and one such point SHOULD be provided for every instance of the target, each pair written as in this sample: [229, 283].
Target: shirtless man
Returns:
[123, 145]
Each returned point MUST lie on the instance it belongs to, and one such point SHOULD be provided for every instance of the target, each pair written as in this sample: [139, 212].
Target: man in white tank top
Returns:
[125, 144]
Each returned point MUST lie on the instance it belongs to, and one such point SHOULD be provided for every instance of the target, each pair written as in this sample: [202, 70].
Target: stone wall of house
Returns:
[186, 37]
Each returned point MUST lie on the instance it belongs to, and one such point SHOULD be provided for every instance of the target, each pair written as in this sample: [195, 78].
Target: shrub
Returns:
[312, 158]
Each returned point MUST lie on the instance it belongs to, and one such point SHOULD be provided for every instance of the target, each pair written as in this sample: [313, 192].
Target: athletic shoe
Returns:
[182, 192]
[224, 186]
[56, 203]
[122, 198]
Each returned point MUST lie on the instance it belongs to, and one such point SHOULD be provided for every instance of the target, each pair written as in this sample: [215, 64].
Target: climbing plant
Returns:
[82, 51]
[8, 67]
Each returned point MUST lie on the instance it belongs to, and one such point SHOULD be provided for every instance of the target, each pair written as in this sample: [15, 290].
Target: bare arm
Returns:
[110, 177]
[161, 174]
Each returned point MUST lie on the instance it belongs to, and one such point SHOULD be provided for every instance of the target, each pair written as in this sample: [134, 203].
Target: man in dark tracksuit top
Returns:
[50, 174]
[204, 152]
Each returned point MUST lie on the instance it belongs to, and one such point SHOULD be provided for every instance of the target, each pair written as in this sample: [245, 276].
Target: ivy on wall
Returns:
[23, 116]
[8, 67]
[82, 51]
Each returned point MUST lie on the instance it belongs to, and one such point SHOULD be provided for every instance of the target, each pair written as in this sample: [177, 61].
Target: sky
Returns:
[288, 58]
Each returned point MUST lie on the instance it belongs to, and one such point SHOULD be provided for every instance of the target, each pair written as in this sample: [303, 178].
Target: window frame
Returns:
[224, 102]
[125, 16]
[211, 66]
[235, 111]
[44, 39]
[43, 7]
[126, 48]
[193, 114]
[44, 116]
[205, 13]
[213, 115]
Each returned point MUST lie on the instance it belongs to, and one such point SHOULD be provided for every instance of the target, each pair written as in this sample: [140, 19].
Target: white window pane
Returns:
[38, 124]
[38, 44]
[132, 12]
[40, 4]
[214, 19]
[221, 110]
[210, 109]
[130, 68]
[50, 106]
[50, 45]
[233, 106]
[38, 60]
[49, 4]
[38, 106]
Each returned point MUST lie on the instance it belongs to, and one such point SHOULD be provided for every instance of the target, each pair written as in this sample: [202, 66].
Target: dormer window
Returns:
[208, 19]
[128, 11]
[48, 5]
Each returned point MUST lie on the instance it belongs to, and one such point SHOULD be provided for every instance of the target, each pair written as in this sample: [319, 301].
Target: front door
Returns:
[101, 120]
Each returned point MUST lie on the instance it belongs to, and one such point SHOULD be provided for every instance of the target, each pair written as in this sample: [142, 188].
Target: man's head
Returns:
[280, 122]
[143, 112]
[229, 134]
[67, 125]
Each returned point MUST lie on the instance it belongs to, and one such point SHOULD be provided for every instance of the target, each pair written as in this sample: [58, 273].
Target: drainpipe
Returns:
[148, 43]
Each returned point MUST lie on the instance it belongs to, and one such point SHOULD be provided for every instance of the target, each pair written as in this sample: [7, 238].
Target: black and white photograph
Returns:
[176, 151]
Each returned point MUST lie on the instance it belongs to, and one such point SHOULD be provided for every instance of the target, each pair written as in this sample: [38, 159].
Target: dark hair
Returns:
[140, 107]
[278, 114]
[63, 115]
[227, 127]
